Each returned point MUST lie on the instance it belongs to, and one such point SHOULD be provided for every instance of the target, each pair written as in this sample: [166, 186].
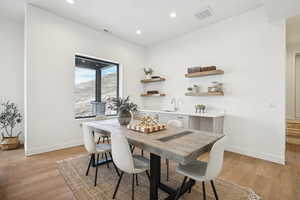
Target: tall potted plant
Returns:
[124, 108]
[10, 116]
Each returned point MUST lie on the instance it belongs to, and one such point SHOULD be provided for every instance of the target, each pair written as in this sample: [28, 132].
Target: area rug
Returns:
[73, 170]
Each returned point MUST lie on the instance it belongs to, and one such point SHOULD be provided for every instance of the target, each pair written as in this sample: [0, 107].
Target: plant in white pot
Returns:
[148, 72]
[10, 117]
[124, 108]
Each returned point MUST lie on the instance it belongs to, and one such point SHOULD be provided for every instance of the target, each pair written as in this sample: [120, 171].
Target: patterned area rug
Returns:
[73, 171]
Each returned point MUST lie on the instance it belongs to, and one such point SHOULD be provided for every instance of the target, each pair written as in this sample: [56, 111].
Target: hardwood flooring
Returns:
[36, 177]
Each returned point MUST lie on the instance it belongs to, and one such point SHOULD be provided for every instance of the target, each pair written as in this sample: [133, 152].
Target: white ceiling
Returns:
[124, 17]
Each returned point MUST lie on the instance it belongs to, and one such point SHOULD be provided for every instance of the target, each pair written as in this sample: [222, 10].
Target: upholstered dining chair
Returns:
[204, 171]
[95, 150]
[126, 162]
[175, 124]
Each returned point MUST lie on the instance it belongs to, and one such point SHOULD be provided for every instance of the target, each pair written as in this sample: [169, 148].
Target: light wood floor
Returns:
[37, 177]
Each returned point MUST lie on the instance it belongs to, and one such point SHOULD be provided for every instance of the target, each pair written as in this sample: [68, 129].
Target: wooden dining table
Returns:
[178, 144]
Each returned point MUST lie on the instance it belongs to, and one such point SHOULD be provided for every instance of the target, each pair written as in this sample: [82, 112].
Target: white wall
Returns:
[252, 53]
[290, 87]
[51, 43]
[11, 68]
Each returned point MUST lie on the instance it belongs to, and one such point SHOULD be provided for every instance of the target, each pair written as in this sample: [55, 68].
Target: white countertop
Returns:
[207, 114]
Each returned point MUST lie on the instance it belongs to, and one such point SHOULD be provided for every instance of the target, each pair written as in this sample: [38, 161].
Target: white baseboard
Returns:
[55, 147]
[264, 156]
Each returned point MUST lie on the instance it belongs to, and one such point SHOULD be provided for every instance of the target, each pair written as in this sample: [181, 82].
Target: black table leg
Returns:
[155, 183]
[154, 176]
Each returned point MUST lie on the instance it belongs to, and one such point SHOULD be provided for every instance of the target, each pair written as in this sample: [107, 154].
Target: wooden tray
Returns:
[151, 129]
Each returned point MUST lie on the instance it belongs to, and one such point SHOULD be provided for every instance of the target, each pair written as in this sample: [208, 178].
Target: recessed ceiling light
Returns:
[138, 32]
[70, 1]
[173, 14]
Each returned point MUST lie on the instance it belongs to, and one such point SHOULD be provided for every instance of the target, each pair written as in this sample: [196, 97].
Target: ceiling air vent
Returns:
[205, 13]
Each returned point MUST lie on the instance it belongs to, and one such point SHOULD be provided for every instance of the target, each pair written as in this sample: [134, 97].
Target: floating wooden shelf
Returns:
[153, 95]
[153, 80]
[208, 73]
[205, 94]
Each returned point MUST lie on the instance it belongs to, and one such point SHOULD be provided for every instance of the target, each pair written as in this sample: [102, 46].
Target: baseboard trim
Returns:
[39, 150]
[263, 156]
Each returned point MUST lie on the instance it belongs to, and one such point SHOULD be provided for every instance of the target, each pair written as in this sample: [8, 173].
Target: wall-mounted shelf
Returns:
[205, 94]
[153, 95]
[207, 73]
[153, 80]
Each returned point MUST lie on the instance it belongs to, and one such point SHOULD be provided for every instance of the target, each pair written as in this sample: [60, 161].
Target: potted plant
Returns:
[10, 116]
[148, 72]
[124, 108]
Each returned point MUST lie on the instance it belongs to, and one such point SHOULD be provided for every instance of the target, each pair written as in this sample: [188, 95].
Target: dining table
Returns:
[180, 145]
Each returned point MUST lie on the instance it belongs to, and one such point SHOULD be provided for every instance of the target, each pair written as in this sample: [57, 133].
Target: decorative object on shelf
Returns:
[124, 108]
[208, 68]
[152, 92]
[148, 72]
[10, 117]
[216, 87]
[153, 80]
[201, 69]
[196, 89]
[147, 125]
[194, 69]
[200, 108]
[204, 73]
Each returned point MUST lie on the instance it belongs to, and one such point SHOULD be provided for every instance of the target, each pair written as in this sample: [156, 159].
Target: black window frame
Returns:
[98, 69]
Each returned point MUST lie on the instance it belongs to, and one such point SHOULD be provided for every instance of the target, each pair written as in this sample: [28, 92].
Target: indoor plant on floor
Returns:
[124, 108]
[10, 116]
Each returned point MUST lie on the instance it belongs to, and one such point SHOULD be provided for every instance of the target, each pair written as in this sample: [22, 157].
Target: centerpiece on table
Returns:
[147, 125]
[124, 108]
[10, 116]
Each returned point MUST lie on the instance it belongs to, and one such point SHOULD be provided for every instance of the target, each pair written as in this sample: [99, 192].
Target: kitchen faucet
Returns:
[173, 101]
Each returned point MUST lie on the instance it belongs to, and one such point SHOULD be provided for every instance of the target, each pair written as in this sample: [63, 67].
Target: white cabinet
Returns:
[164, 118]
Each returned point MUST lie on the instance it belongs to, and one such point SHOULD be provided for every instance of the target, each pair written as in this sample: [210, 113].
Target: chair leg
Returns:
[179, 190]
[132, 148]
[96, 174]
[142, 152]
[118, 184]
[203, 188]
[106, 160]
[90, 163]
[148, 175]
[214, 189]
[114, 164]
[167, 163]
[99, 140]
[137, 180]
[190, 189]
[132, 194]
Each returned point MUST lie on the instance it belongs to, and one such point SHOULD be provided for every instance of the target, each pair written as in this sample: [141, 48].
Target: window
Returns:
[94, 81]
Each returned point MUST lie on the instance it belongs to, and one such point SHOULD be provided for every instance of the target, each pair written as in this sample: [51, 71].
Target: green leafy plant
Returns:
[10, 116]
[121, 104]
[148, 71]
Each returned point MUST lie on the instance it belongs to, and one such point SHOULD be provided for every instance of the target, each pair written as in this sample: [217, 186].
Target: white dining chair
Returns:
[126, 162]
[95, 150]
[204, 171]
[175, 124]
